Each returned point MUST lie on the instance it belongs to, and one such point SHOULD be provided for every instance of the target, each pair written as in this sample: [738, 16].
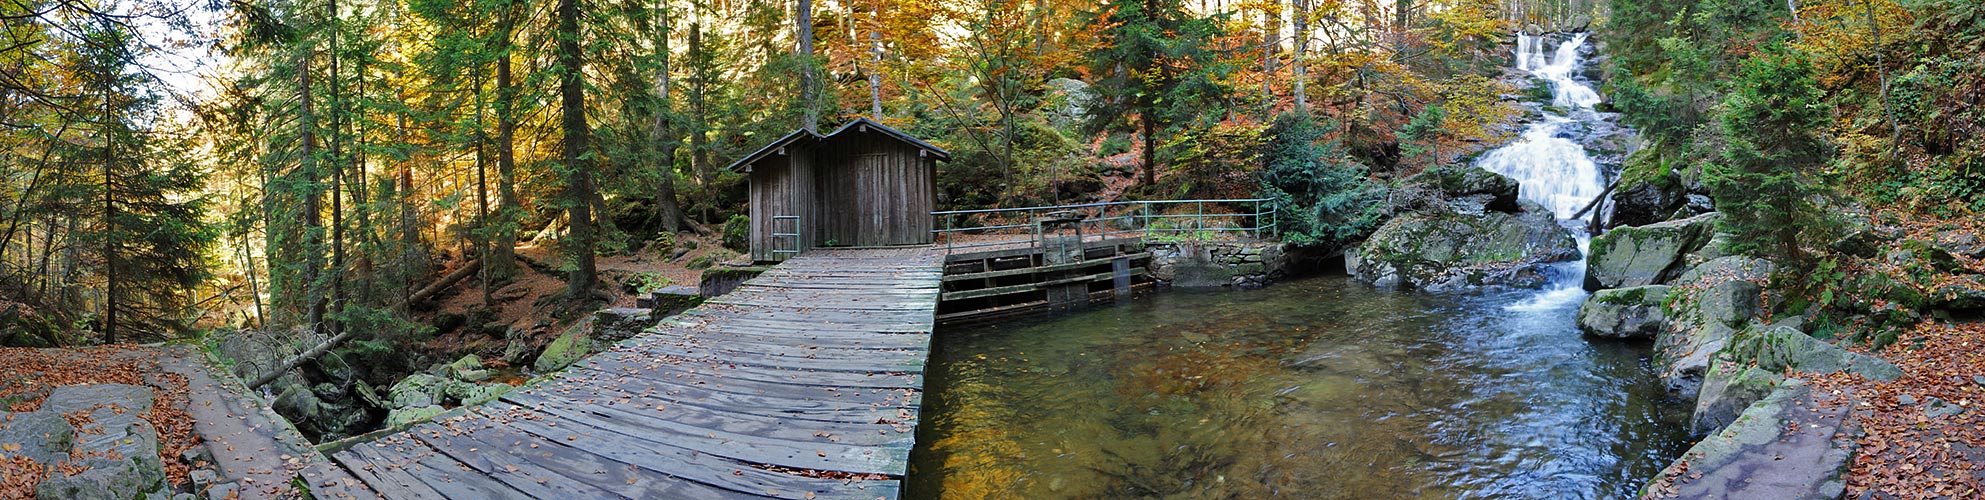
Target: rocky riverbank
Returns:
[1733, 337]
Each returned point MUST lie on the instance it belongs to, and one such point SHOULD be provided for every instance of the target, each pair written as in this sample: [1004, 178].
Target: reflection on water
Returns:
[1320, 388]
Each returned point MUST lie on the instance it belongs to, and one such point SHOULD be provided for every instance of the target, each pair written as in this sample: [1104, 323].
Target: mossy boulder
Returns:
[1727, 390]
[575, 343]
[404, 416]
[1633, 256]
[1782, 348]
[1695, 332]
[1456, 181]
[1627, 313]
[420, 389]
[1445, 250]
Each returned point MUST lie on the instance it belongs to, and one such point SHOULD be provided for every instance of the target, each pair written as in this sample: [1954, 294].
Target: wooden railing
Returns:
[1165, 220]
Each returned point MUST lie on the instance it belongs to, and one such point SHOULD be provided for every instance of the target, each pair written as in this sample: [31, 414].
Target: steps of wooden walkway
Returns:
[805, 383]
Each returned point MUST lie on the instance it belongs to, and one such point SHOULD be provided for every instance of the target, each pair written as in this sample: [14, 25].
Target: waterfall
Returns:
[1553, 170]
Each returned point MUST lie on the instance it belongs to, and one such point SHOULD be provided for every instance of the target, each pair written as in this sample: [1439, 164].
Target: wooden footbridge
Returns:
[805, 383]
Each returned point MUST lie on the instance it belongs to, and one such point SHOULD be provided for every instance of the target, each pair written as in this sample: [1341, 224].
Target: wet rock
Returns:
[1966, 293]
[1624, 312]
[1441, 250]
[1645, 255]
[297, 404]
[1964, 243]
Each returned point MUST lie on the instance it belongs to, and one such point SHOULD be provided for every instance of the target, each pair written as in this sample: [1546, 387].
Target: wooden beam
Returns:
[1009, 290]
[1044, 269]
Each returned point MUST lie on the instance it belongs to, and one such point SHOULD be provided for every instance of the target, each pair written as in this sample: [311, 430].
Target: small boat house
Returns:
[862, 185]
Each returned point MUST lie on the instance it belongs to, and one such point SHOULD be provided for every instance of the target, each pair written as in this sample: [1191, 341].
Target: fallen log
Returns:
[333, 342]
[445, 282]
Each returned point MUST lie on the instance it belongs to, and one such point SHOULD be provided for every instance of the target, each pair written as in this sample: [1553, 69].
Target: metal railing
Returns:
[1163, 220]
[794, 236]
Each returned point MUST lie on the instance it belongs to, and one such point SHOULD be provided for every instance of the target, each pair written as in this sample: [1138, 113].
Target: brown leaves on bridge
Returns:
[1925, 432]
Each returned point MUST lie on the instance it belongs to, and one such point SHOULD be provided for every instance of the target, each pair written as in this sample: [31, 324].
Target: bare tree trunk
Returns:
[1271, 28]
[1300, 70]
[809, 82]
[313, 203]
[875, 52]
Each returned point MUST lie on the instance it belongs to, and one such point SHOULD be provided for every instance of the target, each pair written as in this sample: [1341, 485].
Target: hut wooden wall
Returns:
[874, 190]
[781, 185]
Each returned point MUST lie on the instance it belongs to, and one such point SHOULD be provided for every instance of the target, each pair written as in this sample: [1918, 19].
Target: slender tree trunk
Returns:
[109, 217]
[809, 82]
[1150, 155]
[338, 103]
[313, 222]
[1301, 71]
[501, 264]
[579, 176]
[1270, 29]
[483, 240]
[662, 133]
[875, 53]
[699, 137]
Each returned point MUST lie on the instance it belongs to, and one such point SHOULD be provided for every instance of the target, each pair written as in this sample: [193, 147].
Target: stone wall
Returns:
[1218, 264]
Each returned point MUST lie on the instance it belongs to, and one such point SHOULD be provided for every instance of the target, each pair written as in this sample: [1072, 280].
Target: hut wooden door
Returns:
[875, 202]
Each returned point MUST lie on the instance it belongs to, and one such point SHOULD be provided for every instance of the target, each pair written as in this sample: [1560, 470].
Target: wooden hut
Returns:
[864, 184]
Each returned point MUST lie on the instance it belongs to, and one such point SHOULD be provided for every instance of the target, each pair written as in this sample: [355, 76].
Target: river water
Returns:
[1315, 388]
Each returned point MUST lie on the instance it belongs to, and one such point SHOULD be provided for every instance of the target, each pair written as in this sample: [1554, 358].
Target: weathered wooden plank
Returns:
[390, 482]
[722, 418]
[847, 406]
[584, 445]
[1008, 290]
[737, 446]
[505, 463]
[452, 479]
[772, 374]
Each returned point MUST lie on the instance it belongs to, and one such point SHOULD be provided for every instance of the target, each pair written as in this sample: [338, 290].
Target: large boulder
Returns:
[117, 449]
[1750, 366]
[1446, 250]
[418, 390]
[1645, 255]
[1625, 313]
[1495, 191]
[400, 417]
[1696, 332]
[1649, 201]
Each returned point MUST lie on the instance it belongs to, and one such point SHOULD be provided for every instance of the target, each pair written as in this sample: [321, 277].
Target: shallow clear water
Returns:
[1317, 388]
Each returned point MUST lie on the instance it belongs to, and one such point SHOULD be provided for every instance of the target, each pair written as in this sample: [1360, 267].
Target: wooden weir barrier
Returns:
[805, 383]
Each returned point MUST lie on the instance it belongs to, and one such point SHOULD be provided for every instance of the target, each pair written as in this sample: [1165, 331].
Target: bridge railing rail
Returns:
[1155, 220]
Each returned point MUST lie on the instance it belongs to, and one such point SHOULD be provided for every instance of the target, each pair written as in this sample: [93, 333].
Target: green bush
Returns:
[1321, 197]
[737, 233]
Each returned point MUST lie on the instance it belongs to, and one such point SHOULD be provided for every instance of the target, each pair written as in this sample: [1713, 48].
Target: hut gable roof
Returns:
[803, 137]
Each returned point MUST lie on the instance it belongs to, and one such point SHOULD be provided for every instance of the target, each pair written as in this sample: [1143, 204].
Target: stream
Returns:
[1315, 388]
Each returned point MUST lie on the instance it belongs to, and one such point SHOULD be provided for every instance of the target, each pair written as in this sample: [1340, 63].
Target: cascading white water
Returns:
[1554, 171]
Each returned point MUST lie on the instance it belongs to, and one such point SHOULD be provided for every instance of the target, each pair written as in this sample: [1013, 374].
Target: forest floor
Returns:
[529, 302]
[1924, 435]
